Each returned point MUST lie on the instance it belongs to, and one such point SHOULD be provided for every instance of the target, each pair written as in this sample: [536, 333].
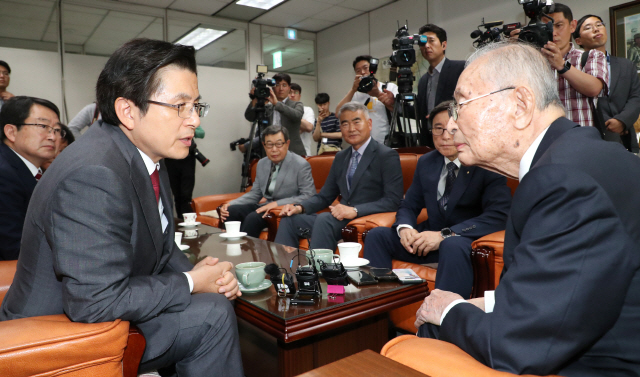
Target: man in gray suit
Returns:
[280, 110]
[621, 107]
[281, 178]
[98, 241]
[368, 176]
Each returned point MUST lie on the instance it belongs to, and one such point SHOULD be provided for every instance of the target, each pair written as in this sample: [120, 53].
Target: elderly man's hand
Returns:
[433, 305]
[290, 210]
[229, 284]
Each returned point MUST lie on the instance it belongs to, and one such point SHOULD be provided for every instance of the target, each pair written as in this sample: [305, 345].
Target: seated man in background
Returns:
[281, 178]
[306, 123]
[99, 240]
[5, 79]
[62, 143]
[368, 177]
[463, 204]
[568, 302]
[30, 133]
[327, 127]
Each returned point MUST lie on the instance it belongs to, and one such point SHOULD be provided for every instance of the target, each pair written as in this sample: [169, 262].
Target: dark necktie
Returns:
[38, 176]
[273, 175]
[155, 181]
[451, 177]
[354, 166]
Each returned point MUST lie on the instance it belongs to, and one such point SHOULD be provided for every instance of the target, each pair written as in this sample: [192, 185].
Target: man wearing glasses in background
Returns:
[281, 178]
[99, 243]
[463, 203]
[5, 78]
[30, 130]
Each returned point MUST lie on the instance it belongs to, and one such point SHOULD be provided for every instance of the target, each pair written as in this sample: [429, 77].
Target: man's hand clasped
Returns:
[420, 243]
[434, 305]
[211, 276]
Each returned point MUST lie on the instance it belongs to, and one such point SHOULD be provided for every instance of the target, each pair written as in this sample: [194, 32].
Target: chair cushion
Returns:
[7, 271]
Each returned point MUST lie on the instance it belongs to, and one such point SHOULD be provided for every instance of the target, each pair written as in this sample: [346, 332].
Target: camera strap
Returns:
[596, 112]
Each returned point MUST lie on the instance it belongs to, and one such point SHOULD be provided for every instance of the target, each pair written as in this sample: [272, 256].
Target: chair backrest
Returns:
[320, 167]
[7, 271]
[408, 163]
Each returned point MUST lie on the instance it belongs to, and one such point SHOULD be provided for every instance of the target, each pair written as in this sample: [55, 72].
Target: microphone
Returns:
[282, 281]
[272, 269]
[475, 34]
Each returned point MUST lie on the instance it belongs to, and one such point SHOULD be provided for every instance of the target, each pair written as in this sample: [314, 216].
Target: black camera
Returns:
[537, 32]
[491, 33]
[367, 83]
[234, 144]
[199, 156]
[261, 85]
[404, 57]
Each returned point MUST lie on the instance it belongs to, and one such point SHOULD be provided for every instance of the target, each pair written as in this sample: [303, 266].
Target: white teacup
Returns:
[191, 233]
[349, 250]
[178, 238]
[233, 227]
[189, 217]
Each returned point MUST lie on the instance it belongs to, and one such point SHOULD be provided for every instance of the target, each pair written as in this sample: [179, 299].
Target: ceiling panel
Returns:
[306, 8]
[80, 22]
[207, 7]
[337, 14]
[240, 12]
[313, 25]
[116, 29]
[279, 18]
[153, 31]
[364, 5]
[25, 19]
[151, 3]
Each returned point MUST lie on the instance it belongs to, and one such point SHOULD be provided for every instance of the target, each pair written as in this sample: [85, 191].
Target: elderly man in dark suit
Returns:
[99, 235]
[568, 302]
[368, 176]
[621, 107]
[464, 203]
[30, 130]
[281, 178]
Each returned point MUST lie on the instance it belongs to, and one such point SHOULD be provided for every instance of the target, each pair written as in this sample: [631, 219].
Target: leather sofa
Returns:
[52, 345]
[436, 358]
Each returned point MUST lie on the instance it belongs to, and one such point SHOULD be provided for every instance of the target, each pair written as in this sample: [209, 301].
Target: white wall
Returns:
[373, 32]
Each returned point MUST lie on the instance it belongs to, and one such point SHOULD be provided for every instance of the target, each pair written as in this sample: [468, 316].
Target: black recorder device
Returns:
[308, 281]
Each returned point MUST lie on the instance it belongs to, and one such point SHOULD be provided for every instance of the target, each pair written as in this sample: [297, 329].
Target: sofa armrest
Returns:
[210, 203]
[486, 258]
[51, 345]
[436, 358]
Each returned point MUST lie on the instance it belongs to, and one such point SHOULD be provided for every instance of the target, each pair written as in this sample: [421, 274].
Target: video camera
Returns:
[262, 91]
[234, 144]
[199, 156]
[367, 83]
[404, 57]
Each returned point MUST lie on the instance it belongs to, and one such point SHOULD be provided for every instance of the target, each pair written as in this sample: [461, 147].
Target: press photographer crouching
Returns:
[281, 178]
[279, 110]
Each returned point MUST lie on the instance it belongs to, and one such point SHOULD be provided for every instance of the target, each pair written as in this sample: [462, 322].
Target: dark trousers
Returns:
[182, 176]
[252, 222]
[455, 273]
[326, 230]
[207, 342]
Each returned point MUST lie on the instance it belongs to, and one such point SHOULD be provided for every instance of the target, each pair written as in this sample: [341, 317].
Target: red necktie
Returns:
[155, 181]
[38, 176]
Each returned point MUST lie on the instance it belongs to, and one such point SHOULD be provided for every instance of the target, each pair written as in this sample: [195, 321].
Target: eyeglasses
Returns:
[284, 85]
[5, 73]
[598, 25]
[454, 107]
[46, 129]
[186, 109]
[278, 144]
[439, 131]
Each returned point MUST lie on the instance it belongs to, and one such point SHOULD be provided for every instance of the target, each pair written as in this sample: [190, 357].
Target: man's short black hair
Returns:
[68, 135]
[6, 65]
[565, 10]
[297, 87]
[361, 58]
[17, 109]
[132, 73]
[274, 129]
[322, 98]
[442, 106]
[437, 30]
[576, 34]
[282, 77]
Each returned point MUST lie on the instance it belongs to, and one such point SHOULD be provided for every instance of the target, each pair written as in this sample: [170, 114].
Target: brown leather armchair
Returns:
[436, 358]
[52, 345]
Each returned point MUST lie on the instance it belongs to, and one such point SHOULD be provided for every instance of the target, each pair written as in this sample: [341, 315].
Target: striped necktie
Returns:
[451, 177]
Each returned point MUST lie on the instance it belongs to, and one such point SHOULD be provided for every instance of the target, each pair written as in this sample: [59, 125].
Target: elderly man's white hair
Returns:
[354, 106]
[519, 63]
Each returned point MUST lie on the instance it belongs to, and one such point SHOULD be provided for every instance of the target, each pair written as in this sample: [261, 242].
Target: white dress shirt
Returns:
[32, 168]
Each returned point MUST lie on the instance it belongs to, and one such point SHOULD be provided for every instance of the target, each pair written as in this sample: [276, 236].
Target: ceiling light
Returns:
[262, 4]
[200, 37]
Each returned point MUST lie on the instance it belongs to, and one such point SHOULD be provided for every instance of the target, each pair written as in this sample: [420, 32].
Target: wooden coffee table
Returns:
[281, 339]
[364, 364]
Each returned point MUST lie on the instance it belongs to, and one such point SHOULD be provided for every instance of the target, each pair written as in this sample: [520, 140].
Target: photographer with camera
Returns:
[280, 110]
[379, 111]
[576, 83]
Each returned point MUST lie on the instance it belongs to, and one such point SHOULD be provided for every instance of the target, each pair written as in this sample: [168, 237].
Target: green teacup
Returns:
[250, 274]
[325, 255]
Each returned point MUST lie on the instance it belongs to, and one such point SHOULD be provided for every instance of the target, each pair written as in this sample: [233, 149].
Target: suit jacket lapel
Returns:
[365, 160]
[165, 194]
[142, 184]
[459, 187]
[285, 168]
[557, 128]
[264, 183]
[22, 171]
[433, 178]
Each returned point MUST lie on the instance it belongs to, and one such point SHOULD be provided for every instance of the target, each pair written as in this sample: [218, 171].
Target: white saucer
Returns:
[184, 247]
[189, 225]
[264, 285]
[189, 238]
[354, 263]
[233, 236]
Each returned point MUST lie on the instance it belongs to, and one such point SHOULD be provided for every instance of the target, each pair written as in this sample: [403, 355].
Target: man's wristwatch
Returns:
[299, 205]
[446, 233]
[356, 211]
[567, 66]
